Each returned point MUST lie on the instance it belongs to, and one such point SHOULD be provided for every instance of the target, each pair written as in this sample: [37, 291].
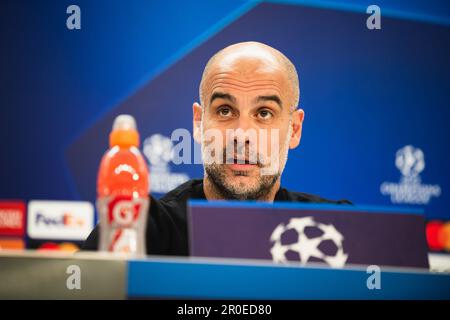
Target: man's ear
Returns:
[297, 122]
[197, 119]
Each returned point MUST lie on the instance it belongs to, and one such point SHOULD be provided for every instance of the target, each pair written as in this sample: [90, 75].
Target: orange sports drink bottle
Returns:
[122, 191]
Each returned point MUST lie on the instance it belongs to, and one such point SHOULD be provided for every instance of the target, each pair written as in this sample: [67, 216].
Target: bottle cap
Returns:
[124, 122]
[124, 133]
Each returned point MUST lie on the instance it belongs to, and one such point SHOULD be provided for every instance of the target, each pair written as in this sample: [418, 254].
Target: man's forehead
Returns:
[229, 89]
[246, 76]
[247, 67]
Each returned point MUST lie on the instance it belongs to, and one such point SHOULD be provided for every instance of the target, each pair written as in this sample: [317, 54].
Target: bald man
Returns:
[246, 122]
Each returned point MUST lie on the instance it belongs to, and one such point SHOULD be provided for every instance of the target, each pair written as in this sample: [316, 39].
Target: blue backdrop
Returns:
[367, 94]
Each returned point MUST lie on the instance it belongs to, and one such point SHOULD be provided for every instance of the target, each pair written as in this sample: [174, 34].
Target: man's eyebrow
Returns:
[273, 98]
[221, 95]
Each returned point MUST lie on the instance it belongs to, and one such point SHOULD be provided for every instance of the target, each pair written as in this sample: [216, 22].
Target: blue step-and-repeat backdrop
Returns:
[376, 102]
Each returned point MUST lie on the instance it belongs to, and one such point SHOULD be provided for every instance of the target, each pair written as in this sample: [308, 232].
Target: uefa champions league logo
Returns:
[410, 161]
[159, 151]
[309, 239]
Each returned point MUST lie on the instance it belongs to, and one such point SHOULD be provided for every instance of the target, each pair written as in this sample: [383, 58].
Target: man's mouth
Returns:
[241, 164]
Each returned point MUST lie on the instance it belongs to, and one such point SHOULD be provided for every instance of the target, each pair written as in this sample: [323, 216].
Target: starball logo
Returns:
[307, 245]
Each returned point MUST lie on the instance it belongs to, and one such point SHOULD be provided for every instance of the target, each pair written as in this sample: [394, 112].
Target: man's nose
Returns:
[244, 132]
[244, 123]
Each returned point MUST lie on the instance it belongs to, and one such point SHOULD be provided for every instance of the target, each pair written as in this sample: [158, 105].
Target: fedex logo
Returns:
[60, 220]
[67, 219]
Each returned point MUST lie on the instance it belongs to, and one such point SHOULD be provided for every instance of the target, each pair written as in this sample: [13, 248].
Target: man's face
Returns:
[249, 101]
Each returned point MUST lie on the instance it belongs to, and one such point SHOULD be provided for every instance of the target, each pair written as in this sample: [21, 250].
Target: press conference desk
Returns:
[34, 275]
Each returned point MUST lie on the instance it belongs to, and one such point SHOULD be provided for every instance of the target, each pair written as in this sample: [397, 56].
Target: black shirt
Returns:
[167, 232]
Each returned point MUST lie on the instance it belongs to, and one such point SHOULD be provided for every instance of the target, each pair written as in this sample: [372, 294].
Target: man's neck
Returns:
[212, 193]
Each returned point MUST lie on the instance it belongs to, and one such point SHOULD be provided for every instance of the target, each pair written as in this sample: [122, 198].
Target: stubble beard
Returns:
[215, 173]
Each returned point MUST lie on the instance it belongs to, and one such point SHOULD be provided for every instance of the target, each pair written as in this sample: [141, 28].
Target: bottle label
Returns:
[124, 241]
[124, 211]
[123, 223]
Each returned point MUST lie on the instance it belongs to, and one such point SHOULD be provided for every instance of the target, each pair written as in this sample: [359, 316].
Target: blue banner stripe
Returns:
[303, 206]
[165, 279]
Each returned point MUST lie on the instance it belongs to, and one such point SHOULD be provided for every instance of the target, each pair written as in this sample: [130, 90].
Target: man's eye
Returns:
[224, 112]
[264, 114]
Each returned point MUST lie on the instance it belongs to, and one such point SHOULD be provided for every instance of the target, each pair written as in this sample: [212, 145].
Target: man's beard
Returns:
[265, 182]
[227, 190]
